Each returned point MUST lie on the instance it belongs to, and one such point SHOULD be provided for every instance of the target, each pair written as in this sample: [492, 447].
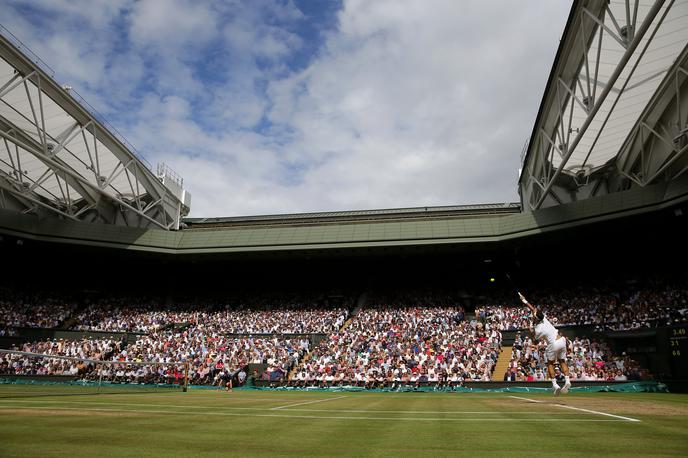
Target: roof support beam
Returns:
[658, 143]
[587, 99]
[621, 65]
[74, 179]
[19, 140]
[7, 186]
[88, 126]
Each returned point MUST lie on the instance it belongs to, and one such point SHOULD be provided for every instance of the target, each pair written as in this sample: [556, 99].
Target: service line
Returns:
[307, 402]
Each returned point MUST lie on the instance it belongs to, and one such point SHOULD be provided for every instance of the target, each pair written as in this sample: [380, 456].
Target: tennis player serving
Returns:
[556, 346]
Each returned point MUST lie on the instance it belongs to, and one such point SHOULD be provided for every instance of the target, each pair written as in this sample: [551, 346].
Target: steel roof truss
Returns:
[9, 86]
[658, 142]
[75, 180]
[49, 157]
[28, 144]
[25, 197]
[570, 91]
[96, 163]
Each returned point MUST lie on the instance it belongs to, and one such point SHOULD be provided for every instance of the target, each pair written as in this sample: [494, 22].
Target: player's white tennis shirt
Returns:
[545, 330]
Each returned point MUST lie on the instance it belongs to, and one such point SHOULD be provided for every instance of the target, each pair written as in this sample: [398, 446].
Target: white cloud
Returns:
[422, 103]
[169, 24]
[410, 103]
[75, 38]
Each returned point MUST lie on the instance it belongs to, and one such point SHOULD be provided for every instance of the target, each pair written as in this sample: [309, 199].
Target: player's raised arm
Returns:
[528, 304]
[538, 315]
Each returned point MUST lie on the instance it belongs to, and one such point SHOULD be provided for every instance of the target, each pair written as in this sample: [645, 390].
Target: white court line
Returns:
[525, 399]
[417, 412]
[307, 402]
[140, 395]
[133, 404]
[310, 417]
[237, 395]
[182, 406]
[581, 409]
[596, 412]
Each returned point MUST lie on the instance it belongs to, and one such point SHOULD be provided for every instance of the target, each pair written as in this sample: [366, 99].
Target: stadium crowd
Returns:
[211, 357]
[415, 340]
[408, 338]
[280, 321]
[621, 306]
[262, 314]
[619, 309]
[32, 310]
[589, 360]
[128, 314]
[92, 349]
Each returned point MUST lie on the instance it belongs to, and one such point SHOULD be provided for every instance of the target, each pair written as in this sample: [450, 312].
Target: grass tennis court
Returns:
[50, 421]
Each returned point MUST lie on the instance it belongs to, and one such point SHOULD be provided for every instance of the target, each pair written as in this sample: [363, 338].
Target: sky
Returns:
[289, 106]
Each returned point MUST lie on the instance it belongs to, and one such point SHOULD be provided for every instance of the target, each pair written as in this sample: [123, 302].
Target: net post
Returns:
[186, 376]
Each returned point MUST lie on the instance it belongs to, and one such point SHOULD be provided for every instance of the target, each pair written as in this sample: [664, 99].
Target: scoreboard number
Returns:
[678, 340]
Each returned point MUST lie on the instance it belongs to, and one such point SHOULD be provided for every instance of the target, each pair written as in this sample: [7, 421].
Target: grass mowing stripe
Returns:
[423, 412]
[132, 404]
[5, 395]
[308, 402]
[413, 412]
[137, 404]
[309, 417]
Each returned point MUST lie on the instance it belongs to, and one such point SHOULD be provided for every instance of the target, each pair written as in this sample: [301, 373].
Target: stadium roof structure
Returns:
[58, 156]
[444, 231]
[613, 115]
[339, 217]
[608, 143]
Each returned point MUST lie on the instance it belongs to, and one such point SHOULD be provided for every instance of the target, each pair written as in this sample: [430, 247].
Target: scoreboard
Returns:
[678, 351]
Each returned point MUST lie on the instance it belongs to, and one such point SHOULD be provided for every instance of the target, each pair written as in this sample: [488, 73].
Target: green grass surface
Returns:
[59, 421]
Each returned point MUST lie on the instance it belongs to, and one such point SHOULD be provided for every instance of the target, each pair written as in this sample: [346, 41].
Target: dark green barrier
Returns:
[632, 387]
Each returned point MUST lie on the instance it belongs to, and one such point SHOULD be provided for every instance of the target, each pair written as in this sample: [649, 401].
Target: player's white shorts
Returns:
[557, 350]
